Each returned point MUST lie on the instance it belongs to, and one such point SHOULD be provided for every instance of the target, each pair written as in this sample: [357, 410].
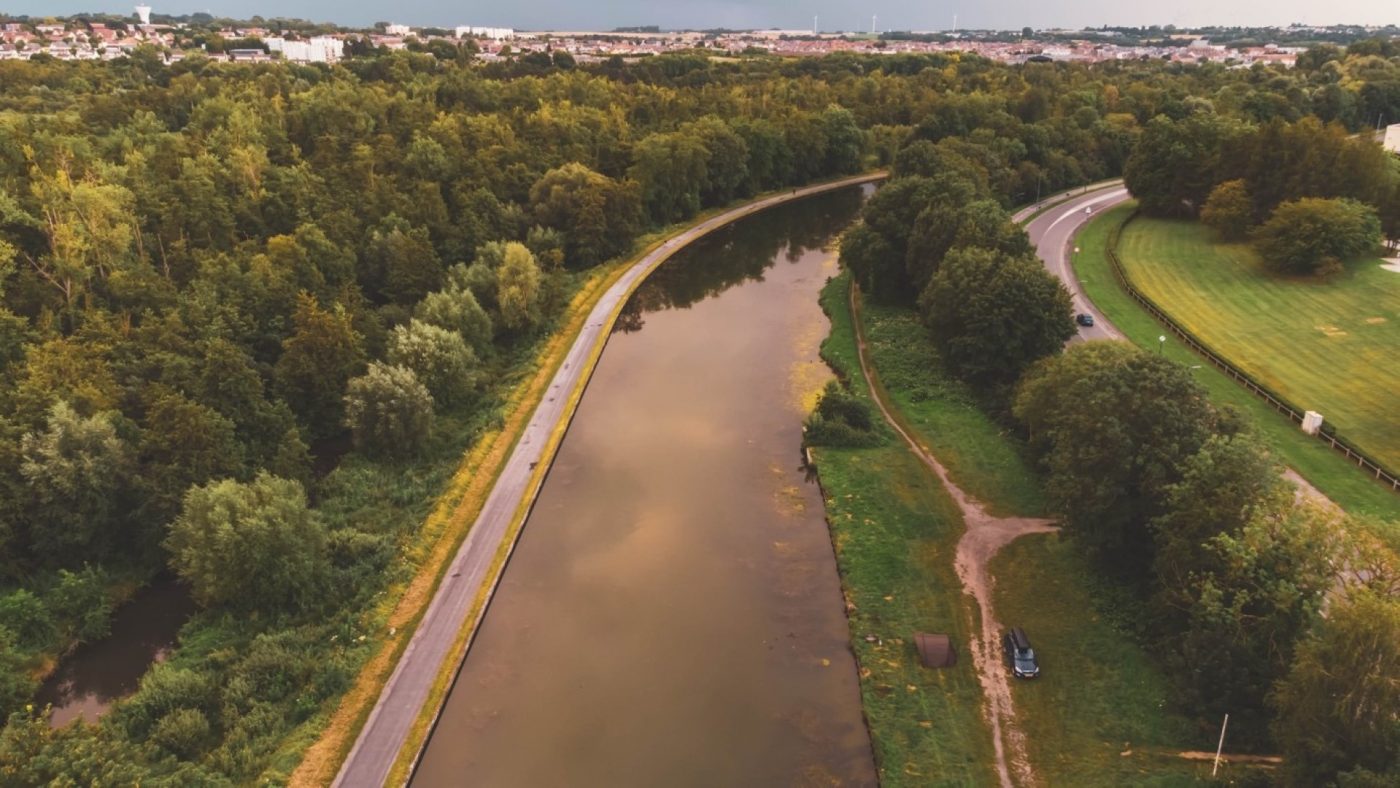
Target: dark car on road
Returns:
[1020, 657]
[1084, 319]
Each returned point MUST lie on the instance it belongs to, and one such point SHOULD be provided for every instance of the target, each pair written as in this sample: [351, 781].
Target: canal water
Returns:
[144, 630]
[672, 614]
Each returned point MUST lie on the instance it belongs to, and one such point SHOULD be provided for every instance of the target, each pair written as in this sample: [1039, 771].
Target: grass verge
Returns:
[895, 535]
[1336, 478]
[1326, 344]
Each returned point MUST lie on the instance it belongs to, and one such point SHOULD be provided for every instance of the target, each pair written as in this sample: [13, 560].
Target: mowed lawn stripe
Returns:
[1327, 345]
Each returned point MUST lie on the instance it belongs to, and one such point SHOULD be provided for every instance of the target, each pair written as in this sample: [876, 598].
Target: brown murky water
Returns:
[96, 675]
[672, 614]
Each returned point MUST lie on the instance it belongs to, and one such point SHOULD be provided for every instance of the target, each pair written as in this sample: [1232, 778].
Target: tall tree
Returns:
[250, 546]
[317, 360]
[992, 315]
[1112, 425]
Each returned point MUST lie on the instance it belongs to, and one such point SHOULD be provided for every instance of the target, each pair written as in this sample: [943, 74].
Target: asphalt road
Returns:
[387, 728]
[1053, 232]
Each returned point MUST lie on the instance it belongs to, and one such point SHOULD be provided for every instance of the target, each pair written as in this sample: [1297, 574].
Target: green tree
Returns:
[23, 614]
[250, 546]
[1229, 210]
[1261, 593]
[76, 470]
[439, 358]
[518, 288]
[845, 141]
[389, 412]
[1177, 162]
[1112, 425]
[1315, 235]
[597, 215]
[317, 360]
[81, 605]
[992, 316]
[183, 443]
[1222, 487]
[1336, 707]
[16, 687]
[455, 308]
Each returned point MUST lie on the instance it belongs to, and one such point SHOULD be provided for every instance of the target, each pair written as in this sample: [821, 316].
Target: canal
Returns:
[672, 614]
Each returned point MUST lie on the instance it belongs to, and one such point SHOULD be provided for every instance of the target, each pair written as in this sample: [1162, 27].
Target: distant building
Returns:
[397, 30]
[143, 13]
[317, 49]
[1392, 138]
[492, 33]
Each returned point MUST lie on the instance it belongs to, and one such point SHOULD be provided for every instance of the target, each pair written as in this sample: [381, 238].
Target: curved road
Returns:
[386, 730]
[1053, 232]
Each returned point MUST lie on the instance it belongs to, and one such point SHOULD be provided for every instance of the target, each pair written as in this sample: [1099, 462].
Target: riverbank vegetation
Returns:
[248, 286]
[1210, 562]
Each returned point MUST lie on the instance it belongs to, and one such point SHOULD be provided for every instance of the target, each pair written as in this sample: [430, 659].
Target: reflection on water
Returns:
[94, 676]
[672, 614]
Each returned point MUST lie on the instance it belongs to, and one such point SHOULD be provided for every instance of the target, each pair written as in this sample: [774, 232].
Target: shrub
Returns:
[1311, 235]
[389, 411]
[841, 419]
[1229, 210]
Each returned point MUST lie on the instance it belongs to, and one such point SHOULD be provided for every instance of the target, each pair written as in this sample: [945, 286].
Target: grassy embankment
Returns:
[896, 532]
[895, 536]
[1329, 345]
[1328, 471]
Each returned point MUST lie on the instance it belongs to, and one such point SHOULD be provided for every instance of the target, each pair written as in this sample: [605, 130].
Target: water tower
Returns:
[143, 12]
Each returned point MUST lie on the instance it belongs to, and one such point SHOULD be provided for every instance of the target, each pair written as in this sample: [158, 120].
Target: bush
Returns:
[1313, 235]
[1229, 210]
[81, 604]
[24, 615]
[184, 732]
[251, 546]
[389, 411]
[841, 419]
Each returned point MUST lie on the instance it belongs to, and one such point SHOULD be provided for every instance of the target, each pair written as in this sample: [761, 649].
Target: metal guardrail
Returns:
[1327, 434]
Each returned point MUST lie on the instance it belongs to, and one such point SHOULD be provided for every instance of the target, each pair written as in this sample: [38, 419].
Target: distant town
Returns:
[106, 37]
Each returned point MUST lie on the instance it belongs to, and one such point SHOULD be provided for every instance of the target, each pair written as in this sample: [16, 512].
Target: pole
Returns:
[1221, 745]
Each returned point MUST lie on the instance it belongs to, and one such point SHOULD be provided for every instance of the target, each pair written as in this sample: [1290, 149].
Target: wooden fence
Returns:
[1327, 434]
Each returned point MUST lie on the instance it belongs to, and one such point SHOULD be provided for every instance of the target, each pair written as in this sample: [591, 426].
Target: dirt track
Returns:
[985, 535]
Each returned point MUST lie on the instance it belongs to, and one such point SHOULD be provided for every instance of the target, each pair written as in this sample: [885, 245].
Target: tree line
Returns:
[1308, 195]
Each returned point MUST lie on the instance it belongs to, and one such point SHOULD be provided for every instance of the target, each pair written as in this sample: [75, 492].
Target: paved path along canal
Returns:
[672, 614]
[387, 727]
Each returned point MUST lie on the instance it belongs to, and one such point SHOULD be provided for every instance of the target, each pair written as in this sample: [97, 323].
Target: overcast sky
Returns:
[834, 14]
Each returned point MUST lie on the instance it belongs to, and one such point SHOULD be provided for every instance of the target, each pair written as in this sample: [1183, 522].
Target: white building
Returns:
[397, 30]
[319, 49]
[143, 12]
[1392, 138]
[493, 33]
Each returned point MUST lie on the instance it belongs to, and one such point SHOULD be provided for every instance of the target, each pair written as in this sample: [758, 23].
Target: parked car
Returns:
[1020, 657]
[1084, 319]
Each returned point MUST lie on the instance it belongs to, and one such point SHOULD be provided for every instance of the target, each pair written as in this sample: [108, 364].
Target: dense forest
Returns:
[251, 316]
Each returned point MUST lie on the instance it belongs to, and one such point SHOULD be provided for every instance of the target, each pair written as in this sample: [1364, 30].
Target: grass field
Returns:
[1100, 712]
[1324, 468]
[896, 532]
[1327, 345]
